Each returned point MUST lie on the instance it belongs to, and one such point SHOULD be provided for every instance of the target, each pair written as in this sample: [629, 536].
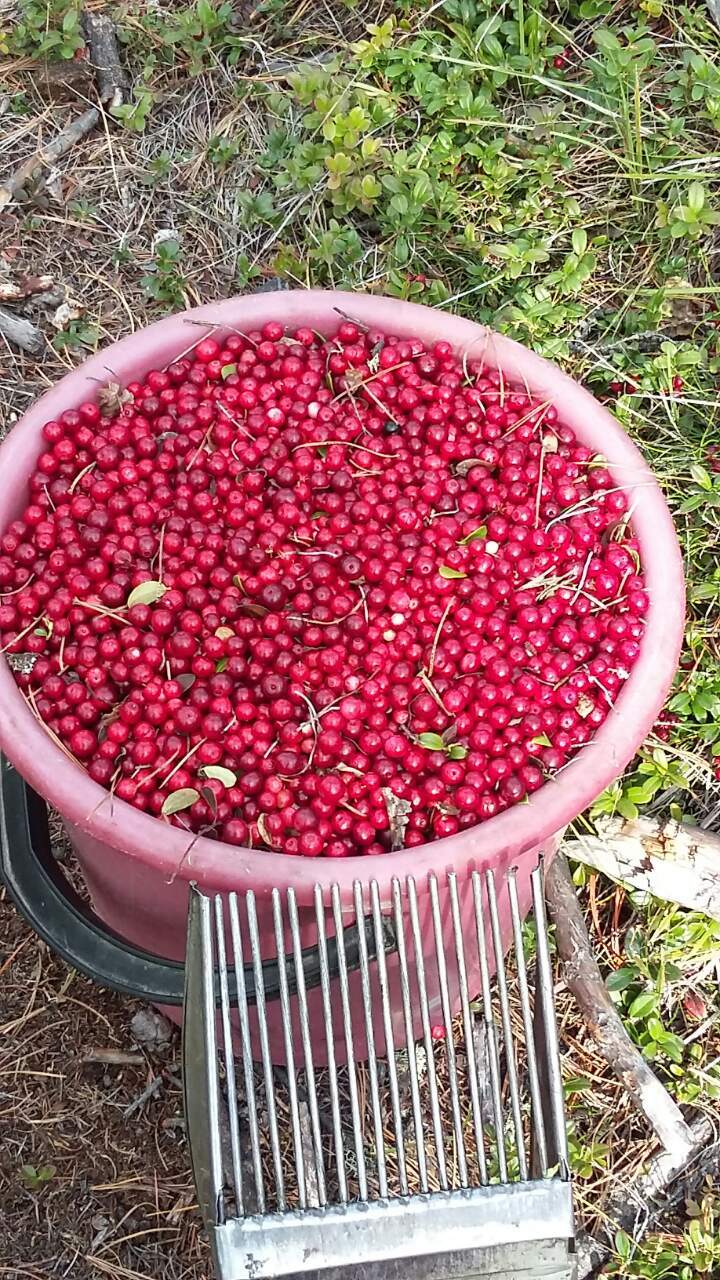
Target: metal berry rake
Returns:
[446, 1159]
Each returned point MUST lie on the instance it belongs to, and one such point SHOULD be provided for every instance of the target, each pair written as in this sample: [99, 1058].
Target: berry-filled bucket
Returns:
[137, 867]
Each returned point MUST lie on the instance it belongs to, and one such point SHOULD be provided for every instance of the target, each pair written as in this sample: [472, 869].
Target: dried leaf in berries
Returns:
[112, 398]
[146, 593]
[220, 774]
[398, 811]
[480, 532]
[431, 741]
[178, 800]
[446, 571]
[210, 799]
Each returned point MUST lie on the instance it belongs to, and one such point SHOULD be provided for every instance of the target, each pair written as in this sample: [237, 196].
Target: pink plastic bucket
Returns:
[137, 868]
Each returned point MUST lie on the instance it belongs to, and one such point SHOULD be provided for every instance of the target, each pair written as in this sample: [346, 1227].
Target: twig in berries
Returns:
[100, 608]
[181, 762]
[538, 408]
[222, 408]
[201, 447]
[436, 638]
[351, 319]
[6, 594]
[357, 382]
[538, 491]
[21, 634]
[329, 622]
[383, 407]
[85, 472]
[583, 576]
[30, 697]
[425, 680]
[346, 444]
[344, 804]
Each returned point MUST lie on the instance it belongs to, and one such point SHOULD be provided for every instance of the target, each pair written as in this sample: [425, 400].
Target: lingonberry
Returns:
[302, 606]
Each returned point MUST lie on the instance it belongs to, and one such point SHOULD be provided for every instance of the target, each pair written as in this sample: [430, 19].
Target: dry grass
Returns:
[121, 1200]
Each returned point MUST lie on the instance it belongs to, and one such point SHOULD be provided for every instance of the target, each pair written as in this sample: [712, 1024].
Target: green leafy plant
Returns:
[689, 219]
[134, 114]
[696, 1257]
[36, 1178]
[164, 282]
[46, 29]
[79, 335]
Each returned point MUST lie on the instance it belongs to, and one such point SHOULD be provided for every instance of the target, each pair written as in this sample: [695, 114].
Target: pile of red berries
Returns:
[320, 595]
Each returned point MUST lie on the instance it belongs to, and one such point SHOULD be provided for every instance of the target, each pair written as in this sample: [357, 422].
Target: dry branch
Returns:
[26, 287]
[47, 156]
[21, 333]
[312, 1192]
[670, 860]
[583, 977]
[112, 80]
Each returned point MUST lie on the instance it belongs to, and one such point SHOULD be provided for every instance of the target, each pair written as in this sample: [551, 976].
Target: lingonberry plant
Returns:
[323, 595]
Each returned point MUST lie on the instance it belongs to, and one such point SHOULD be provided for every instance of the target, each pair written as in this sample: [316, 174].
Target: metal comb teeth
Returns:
[401, 1054]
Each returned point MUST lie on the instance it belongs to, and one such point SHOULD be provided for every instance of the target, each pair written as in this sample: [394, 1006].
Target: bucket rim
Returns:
[92, 809]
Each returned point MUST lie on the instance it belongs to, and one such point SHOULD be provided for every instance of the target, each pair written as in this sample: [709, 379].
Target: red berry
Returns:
[330, 616]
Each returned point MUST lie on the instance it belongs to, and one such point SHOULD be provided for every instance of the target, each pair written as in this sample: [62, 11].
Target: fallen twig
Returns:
[585, 981]
[22, 333]
[312, 1192]
[148, 1093]
[112, 79]
[113, 1058]
[46, 156]
[25, 287]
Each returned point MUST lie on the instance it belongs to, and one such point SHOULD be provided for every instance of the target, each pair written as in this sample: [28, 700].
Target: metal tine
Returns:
[228, 1056]
[527, 1017]
[289, 1045]
[330, 1042]
[425, 1019]
[347, 1029]
[265, 1049]
[409, 1035]
[467, 1026]
[211, 1049]
[447, 1019]
[490, 1027]
[307, 1047]
[510, 1060]
[372, 1060]
[246, 1050]
[389, 1038]
[544, 993]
